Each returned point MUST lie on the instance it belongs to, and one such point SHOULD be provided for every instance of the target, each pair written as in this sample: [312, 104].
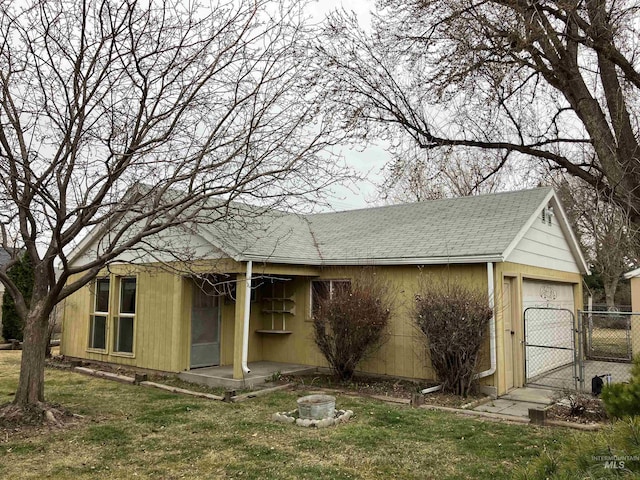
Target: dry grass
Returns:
[135, 432]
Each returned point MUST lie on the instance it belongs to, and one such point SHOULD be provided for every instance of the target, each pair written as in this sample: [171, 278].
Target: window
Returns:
[325, 289]
[124, 322]
[98, 319]
[547, 215]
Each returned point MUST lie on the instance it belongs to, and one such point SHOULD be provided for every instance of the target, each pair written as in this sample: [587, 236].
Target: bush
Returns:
[623, 399]
[351, 322]
[454, 319]
[22, 275]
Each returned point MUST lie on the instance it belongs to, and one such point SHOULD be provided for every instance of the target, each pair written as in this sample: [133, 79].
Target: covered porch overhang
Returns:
[241, 370]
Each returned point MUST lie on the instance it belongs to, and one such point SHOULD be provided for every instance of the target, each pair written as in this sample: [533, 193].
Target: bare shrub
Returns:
[454, 319]
[350, 321]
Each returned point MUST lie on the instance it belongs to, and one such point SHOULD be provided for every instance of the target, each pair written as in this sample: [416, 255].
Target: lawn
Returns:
[136, 432]
[609, 343]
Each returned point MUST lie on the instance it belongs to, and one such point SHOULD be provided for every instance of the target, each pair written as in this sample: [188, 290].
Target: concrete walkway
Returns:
[260, 373]
[518, 402]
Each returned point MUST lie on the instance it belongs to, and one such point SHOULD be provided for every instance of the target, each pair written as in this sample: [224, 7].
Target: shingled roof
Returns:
[467, 229]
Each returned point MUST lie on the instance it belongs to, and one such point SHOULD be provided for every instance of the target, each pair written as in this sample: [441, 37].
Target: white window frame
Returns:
[116, 320]
[331, 282]
[97, 313]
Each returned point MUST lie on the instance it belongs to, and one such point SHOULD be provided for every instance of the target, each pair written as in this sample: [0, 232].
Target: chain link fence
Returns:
[609, 340]
[568, 353]
[603, 307]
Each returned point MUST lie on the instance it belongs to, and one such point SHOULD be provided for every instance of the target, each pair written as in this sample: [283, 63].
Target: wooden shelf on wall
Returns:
[275, 332]
[277, 305]
[291, 311]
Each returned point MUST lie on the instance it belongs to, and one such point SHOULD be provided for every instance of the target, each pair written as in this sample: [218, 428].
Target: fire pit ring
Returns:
[316, 407]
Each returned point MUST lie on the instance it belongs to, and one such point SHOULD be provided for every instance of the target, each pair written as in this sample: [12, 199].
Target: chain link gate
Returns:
[551, 356]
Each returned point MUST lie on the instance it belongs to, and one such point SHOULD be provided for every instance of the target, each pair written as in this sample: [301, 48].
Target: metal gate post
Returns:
[580, 350]
[576, 355]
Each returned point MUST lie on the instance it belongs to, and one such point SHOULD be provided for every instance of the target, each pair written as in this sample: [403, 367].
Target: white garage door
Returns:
[537, 293]
[548, 330]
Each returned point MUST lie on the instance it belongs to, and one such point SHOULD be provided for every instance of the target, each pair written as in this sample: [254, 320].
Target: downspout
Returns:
[247, 315]
[492, 333]
[492, 324]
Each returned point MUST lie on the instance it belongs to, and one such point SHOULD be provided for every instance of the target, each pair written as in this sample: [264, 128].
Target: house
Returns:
[5, 257]
[252, 299]
[634, 278]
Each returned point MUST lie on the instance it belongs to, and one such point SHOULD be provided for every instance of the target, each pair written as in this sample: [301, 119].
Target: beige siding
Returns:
[154, 344]
[635, 320]
[404, 353]
[519, 273]
[163, 316]
[1, 296]
[227, 326]
[544, 246]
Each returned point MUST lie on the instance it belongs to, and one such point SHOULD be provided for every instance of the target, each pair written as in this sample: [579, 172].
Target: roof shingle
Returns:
[466, 227]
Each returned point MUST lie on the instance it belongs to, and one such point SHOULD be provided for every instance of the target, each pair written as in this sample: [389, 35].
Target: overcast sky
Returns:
[367, 162]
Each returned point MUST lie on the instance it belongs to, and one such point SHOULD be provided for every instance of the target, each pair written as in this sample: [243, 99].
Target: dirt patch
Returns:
[18, 421]
[63, 363]
[454, 401]
[361, 384]
[579, 408]
[377, 386]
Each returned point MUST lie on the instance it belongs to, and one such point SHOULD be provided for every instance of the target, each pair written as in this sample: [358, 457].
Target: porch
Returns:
[260, 372]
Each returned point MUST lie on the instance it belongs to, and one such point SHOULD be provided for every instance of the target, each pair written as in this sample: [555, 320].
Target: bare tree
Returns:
[605, 233]
[125, 119]
[552, 81]
[416, 177]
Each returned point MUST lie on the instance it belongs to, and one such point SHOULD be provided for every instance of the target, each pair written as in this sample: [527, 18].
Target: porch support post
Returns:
[241, 330]
[179, 349]
[247, 317]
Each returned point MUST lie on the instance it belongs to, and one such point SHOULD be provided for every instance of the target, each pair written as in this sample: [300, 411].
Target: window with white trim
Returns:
[125, 321]
[322, 290]
[99, 315]
[547, 215]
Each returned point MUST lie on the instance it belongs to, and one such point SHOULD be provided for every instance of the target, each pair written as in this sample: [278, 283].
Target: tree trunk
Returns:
[610, 288]
[31, 385]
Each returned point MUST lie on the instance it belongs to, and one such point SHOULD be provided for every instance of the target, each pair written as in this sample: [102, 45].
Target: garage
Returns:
[548, 326]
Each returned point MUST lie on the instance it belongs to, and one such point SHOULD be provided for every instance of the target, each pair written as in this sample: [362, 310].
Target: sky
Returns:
[367, 162]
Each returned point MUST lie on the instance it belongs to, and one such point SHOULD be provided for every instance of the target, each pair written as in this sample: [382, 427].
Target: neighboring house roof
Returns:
[483, 228]
[4, 257]
[7, 254]
[632, 274]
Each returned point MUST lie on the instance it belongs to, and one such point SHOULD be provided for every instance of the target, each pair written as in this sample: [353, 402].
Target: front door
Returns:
[511, 350]
[205, 327]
